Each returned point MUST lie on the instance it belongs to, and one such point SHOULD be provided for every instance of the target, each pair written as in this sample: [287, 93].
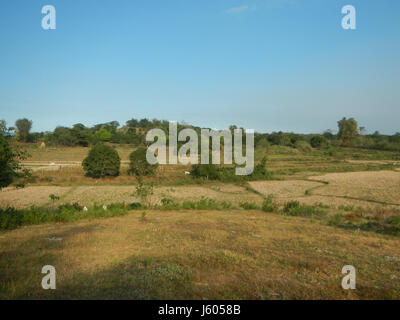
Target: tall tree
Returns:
[347, 130]
[9, 161]
[23, 127]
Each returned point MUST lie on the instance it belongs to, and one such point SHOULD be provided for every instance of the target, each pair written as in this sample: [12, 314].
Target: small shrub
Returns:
[53, 197]
[206, 171]
[260, 171]
[335, 220]
[169, 204]
[102, 161]
[318, 141]
[136, 206]
[269, 205]
[394, 220]
[294, 208]
[139, 166]
[249, 206]
[144, 191]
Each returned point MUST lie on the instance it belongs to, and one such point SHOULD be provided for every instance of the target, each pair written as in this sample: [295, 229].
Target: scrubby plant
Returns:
[260, 171]
[139, 166]
[168, 204]
[249, 206]
[318, 141]
[269, 205]
[295, 208]
[144, 191]
[102, 161]
[136, 206]
[335, 220]
[53, 197]
[206, 171]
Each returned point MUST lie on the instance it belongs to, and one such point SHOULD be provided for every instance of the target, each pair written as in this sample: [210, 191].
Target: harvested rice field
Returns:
[283, 238]
[364, 189]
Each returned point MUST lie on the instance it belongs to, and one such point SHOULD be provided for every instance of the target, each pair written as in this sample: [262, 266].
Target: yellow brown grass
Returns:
[197, 255]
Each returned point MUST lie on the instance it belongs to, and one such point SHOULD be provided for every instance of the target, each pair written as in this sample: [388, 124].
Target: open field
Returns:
[198, 255]
[364, 189]
[234, 252]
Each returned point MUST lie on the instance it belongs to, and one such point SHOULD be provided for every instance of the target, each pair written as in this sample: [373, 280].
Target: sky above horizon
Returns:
[268, 65]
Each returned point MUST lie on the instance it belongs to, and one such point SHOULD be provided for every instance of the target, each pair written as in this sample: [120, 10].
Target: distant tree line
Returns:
[349, 134]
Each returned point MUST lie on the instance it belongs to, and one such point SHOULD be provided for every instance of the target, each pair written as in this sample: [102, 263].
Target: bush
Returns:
[249, 206]
[206, 171]
[228, 174]
[136, 206]
[260, 171]
[336, 220]
[102, 161]
[318, 141]
[294, 208]
[269, 205]
[139, 165]
[168, 204]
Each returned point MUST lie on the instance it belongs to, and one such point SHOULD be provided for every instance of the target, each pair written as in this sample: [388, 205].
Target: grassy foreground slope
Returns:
[197, 255]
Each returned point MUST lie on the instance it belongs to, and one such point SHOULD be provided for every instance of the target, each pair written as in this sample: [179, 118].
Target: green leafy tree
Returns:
[133, 123]
[347, 130]
[9, 163]
[23, 127]
[102, 161]
[63, 136]
[318, 141]
[103, 134]
[139, 166]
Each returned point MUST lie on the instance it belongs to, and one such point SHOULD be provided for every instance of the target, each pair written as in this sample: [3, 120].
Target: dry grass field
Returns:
[198, 255]
[232, 253]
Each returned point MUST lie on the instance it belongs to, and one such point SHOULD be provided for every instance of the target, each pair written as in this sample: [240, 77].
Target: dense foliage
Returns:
[9, 159]
[139, 166]
[102, 161]
[23, 127]
[134, 133]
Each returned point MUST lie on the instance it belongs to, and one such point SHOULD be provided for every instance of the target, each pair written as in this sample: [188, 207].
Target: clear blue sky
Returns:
[268, 65]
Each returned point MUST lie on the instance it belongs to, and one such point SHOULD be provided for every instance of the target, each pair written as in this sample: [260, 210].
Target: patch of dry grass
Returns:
[26, 197]
[380, 186]
[106, 194]
[283, 189]
[197, 255]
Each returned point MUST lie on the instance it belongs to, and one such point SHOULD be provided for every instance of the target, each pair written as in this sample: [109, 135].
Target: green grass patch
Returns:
[295, 208]
[11, 218]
